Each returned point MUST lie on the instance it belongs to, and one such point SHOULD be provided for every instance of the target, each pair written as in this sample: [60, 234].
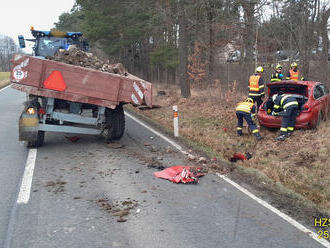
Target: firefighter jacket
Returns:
[282, 102]
[246, 107]
[293, 75]
[276, 77]
[256, 86]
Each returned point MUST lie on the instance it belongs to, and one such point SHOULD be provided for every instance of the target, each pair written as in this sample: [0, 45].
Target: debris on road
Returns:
[120, 213]
[240, 156]
[121, 219]
[118, 209]
[56, 187]
[202, 160]
[169, 149]
[192, 157]
[73, 138]
[115, 145]
[153, 149]
[180, 174]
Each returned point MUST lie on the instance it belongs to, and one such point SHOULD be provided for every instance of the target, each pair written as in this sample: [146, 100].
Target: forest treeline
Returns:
[187, 41]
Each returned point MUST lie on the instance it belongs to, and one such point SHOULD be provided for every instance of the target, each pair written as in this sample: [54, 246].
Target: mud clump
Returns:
[75, 56]
[117, 209]
[55, 187]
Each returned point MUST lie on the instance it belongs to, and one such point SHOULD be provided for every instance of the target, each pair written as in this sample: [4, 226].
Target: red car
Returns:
[313, 99]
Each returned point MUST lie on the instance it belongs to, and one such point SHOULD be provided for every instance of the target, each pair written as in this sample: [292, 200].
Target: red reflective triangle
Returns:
[55, 81]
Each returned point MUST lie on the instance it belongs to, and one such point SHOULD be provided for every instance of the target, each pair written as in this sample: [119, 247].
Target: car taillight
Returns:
[30, 111]
[306, 108]
[41, 111]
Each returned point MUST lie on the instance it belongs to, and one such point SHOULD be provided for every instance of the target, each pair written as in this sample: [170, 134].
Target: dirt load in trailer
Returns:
[73, 99]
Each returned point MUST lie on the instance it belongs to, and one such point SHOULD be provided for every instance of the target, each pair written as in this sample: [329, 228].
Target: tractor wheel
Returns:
[39, 142]
[115, 123]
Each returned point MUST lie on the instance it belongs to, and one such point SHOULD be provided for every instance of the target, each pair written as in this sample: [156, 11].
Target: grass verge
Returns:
[4, 79]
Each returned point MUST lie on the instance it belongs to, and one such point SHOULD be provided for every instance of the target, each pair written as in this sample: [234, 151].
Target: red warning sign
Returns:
[55, 81]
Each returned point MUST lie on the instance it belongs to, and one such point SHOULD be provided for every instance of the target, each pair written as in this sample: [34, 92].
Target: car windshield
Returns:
[48, 46]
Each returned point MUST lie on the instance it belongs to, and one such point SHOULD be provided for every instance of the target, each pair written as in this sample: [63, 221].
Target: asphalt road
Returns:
[75, 185]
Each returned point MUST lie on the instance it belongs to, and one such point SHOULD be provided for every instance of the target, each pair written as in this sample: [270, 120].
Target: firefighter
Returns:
[277, 76]
[287, 106]
[293, 73]
[257, 87]
[246, 110]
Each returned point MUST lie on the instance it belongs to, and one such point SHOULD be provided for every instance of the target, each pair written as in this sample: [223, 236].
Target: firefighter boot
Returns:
[281, 137]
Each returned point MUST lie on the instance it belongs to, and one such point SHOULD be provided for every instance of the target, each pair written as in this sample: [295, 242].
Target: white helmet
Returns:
[274, 97]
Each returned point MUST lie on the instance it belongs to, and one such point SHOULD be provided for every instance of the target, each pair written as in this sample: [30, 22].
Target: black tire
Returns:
[115, 123]
[39, 142]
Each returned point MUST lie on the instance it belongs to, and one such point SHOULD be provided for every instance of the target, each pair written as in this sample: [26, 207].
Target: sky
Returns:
[17, 16]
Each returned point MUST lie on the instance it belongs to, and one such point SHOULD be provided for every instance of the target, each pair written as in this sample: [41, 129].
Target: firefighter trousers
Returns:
[258, 100]
[242, 115]
[289, 119]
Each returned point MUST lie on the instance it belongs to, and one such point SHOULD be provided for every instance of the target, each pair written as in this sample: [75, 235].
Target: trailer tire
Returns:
[39, 142]
[115, 123]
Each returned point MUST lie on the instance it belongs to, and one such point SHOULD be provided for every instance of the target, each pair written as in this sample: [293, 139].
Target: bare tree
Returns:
[7, 49]
[183, 50]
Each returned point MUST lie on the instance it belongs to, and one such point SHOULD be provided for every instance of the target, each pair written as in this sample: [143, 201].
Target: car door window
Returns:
[318, 92]
[325, 89]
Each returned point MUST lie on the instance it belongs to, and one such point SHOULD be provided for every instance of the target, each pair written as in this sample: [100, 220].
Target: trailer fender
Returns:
[28, 126]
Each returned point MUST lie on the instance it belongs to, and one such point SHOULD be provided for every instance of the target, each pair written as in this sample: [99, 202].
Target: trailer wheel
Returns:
[115, 123]
[39, 142]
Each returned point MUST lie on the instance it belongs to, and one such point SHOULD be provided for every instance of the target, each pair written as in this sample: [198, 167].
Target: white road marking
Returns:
[5, 88]
[287, 218]
[277, 212]
[155, 132]
[24, 193]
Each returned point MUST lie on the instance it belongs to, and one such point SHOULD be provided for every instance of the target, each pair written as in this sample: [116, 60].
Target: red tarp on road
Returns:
[180, 174]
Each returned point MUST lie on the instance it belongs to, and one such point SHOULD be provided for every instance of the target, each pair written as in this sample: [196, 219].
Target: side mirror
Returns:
[21, 41]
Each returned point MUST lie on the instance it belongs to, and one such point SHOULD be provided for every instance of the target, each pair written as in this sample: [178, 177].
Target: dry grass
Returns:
[4, 79]
[301, 163]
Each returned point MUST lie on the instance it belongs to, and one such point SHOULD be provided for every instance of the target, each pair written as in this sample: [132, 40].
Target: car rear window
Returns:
[298, 89]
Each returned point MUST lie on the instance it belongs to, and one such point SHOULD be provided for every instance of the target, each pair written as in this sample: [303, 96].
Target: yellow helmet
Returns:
[249, 99]
[260, 69]
[278, 67]
[294, 64]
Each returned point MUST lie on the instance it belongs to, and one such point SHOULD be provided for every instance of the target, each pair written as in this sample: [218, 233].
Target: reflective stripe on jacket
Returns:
[276, 77]
[256, 86]
[285, 101]
[254, 83]
[245, 107]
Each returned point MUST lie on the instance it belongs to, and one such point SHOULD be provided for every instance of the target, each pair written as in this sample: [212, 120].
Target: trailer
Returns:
[72, 99]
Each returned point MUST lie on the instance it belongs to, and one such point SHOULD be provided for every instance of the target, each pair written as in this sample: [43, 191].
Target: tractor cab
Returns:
[47, 43]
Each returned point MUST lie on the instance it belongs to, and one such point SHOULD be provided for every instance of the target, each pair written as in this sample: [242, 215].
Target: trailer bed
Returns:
[42, 77]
